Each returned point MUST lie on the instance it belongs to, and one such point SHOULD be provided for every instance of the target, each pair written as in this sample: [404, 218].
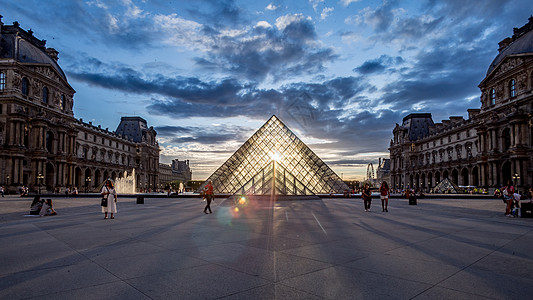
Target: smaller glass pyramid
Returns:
[275, 161]
[447, 187]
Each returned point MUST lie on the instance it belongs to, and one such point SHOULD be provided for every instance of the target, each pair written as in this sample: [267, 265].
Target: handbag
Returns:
[104, 200]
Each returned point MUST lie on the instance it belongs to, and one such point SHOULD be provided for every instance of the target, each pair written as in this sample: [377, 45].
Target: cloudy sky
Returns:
[207, 74]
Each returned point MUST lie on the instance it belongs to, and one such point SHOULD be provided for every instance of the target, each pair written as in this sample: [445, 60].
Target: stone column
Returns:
[494, 140]
[11, 134]
[482, 170]
[494, 173]
[9, 171]
[16, 135]
[16, 171]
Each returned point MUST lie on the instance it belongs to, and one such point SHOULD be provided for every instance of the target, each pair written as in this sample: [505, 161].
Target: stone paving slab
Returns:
[331, 248]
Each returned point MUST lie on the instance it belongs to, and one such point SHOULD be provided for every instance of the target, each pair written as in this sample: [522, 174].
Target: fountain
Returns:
[126, 184]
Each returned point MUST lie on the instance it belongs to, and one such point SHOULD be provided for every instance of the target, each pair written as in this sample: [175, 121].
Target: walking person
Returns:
[108, 191]
[208, 189]
[367, 196]
[384, 194]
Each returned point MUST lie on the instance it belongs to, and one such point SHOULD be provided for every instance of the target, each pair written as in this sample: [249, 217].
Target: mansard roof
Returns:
[520, 43]
[418, 125]
[20, 45]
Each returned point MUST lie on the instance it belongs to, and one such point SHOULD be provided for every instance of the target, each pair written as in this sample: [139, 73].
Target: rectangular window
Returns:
[2, 81]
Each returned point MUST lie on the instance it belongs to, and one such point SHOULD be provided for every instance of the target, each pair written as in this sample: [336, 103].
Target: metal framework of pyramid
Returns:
[446, 186]
[275, 161]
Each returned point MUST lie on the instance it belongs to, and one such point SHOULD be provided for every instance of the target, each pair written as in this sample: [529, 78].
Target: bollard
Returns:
[412, 200]
[526, 210]
[140, 199]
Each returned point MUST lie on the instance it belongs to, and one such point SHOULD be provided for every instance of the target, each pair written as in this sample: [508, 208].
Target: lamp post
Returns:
[40, 181]
[87, 182]
[516, 177]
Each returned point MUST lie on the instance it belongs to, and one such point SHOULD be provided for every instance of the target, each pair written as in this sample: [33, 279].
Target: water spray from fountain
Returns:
[126, 184]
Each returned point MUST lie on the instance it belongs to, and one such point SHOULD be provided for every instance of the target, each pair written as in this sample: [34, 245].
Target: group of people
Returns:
[512, 198]
[42, 207]
[384, 194]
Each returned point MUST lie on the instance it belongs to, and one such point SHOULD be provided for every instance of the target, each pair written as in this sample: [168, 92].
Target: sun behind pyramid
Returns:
[275, 161]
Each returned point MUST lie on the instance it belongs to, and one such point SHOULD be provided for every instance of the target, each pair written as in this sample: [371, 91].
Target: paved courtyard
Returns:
[168, 248]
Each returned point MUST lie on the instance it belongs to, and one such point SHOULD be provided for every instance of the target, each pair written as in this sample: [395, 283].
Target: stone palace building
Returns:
[493, 146]
[42, 145]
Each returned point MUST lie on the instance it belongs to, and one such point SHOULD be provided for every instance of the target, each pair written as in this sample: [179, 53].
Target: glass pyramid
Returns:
[275, 161]
[446, 186]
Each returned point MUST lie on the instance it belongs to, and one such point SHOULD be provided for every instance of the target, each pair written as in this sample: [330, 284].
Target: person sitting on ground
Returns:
[36, 206]
[47, 209]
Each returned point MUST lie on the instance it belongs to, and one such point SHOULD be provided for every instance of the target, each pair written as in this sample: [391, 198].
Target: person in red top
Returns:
[508, 192]
[208, 189]
[385, 193]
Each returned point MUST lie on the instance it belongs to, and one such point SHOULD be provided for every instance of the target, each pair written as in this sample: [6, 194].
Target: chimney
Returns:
[504, 43]
[52, 53]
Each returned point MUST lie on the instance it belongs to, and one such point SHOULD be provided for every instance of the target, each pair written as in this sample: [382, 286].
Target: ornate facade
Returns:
[493, 146]
[42, 144]
[182, 170]
[177, 171]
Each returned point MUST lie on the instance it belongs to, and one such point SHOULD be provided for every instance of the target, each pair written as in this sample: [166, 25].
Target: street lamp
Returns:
[40, 179]
[516, 177]
[87, 182]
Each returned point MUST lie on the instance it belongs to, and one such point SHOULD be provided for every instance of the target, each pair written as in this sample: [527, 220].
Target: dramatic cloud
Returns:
[378, 65]
[341, 86]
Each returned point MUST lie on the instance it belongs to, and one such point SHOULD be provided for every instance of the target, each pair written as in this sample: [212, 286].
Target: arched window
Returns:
[2, 81]
[492, 96]
[25, 86]
[45, 95]
[63, 102]
[512, 88]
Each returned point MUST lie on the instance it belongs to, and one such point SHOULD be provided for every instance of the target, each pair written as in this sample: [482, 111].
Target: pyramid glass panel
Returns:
[275, 160]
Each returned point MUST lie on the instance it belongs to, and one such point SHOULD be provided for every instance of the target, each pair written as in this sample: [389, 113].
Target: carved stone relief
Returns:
[35, 86]
[16, 81]
[509, 64]
[522, 81]
[499, 91]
